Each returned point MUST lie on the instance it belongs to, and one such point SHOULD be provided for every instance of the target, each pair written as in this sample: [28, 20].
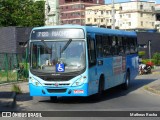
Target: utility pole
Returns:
[149, 47]
[113, 15]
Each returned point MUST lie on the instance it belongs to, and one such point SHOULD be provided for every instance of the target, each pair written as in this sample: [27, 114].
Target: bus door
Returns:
[104, 59]
[92, 70]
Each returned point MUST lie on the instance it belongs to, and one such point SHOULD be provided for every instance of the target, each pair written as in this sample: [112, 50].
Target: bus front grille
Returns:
[57, 78]
[56, 90]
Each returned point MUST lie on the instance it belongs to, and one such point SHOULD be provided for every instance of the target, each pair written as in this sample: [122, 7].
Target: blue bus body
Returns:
[112, 68]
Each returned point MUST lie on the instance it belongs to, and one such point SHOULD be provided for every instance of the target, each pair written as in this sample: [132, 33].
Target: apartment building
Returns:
[157, 12]
[73, 11]
[132, 15]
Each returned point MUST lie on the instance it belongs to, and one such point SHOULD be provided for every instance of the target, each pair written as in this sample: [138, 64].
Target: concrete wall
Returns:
[144, 37]
[12, 37]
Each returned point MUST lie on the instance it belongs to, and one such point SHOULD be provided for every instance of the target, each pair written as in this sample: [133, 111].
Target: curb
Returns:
[10, 83]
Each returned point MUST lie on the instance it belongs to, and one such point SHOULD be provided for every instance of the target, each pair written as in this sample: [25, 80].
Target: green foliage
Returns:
[16, 88]
[24, 13]
[145, 61]
[141, 53]
[156, 58]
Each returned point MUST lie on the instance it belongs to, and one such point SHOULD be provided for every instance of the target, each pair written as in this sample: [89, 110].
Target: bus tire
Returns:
[54, 99]
[126, 85]
[101, 86]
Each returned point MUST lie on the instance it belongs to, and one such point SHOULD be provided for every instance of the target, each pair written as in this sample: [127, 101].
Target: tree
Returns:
[24, 13]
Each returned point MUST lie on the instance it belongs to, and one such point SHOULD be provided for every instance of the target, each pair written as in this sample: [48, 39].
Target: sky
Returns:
[116, 1]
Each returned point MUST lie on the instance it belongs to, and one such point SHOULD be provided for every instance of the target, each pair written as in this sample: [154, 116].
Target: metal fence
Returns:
[13, 67]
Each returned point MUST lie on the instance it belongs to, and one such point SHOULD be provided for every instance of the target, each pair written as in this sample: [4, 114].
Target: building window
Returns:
[88, 19]
[95, 20]
[120, 16]
[83, 13]
[129, 15]
[141, 7]
[101, 20]
[141, 23]
[109, 12]
[83, 21]
[152, 23]
[129, 23]
[83, 6]
[153, 8]
[101, 12]
[141, 14]
[120, 8]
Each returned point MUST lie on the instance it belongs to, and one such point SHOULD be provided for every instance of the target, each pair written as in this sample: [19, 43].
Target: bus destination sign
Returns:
[57, 33]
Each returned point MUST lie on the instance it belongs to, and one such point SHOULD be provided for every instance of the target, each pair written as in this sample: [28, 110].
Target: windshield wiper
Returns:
[66, 45]
[45, 45]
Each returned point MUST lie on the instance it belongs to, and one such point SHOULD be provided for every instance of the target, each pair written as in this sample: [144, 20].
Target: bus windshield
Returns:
[46, 54]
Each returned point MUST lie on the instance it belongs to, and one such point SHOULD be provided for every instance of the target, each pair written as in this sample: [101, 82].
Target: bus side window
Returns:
[136, 46]
[132, 45]
[99, 45]
[91, 52]
[126, 45]
[114, 45]
[106, 46]
[120, 46]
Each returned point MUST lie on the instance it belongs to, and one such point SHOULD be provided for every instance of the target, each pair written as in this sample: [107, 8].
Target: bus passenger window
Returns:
[120, 46]
[91, 52]
[114, 46]
[99, 46]
[133, 45]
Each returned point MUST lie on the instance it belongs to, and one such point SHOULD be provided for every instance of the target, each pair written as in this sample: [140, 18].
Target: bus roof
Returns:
[93, 29]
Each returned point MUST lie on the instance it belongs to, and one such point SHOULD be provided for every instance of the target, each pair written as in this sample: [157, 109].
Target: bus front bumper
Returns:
[58, 91]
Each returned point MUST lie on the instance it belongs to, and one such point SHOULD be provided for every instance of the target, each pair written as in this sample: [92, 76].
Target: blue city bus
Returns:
[74, 60]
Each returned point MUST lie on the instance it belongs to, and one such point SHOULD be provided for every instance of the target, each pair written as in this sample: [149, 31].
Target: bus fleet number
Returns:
[43, 34]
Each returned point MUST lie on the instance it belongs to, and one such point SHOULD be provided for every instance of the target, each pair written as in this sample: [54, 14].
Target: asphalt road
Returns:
[116, 99]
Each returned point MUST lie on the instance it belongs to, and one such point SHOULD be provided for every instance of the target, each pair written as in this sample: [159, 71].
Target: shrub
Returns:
[156, 57]
[141, 53]
[145, 61]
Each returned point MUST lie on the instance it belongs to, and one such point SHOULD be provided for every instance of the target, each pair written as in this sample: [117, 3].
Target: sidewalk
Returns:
[7, 96]
[154, 87]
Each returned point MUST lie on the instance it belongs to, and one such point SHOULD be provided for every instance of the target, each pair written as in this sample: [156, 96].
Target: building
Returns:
[157, 12]
[13, 39]
[52, 12]
[73, 11]
[101, 15]
[132, 15]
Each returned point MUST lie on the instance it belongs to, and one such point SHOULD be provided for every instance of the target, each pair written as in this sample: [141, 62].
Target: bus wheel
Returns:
[125, 85]
[54, 99]
[101, 86]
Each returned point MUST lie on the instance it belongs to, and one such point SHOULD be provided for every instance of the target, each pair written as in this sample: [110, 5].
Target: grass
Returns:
[150, 89]
[10, 76]
[16, 88]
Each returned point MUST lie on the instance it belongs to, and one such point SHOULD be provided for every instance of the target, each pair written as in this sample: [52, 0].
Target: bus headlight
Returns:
[35, 82]
[80, 81]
